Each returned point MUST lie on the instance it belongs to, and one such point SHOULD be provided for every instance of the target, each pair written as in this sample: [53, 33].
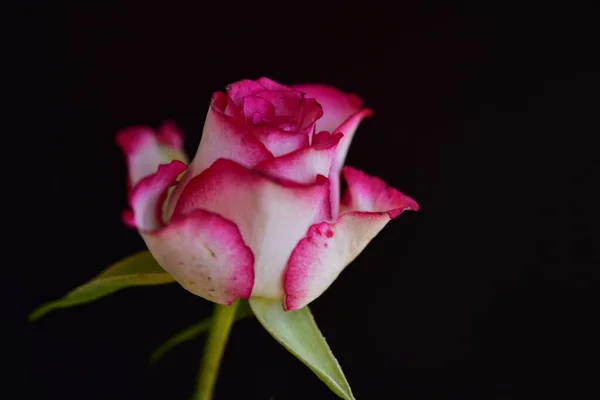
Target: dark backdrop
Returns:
[484, 113]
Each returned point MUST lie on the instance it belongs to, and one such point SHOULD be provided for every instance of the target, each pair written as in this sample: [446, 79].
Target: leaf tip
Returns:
[158, 354]
[39, 312]
[155, 357]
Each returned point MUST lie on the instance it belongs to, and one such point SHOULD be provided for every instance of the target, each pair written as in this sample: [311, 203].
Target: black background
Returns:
[485, 113]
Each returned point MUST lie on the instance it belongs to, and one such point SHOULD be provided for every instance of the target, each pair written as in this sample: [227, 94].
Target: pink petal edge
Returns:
[223, 136]
[206, 255]
[170, 135]
[147, 197]
[337, 105]
[144, 150]
[371, 194]
[271, 84]
[203, 251]
[271, 214]
[348, 128]
[369, 204]
[303, 166]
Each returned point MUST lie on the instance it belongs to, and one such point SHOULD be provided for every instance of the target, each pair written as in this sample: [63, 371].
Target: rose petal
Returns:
[279, 142]
[148, 196]
[205, 253]
[311, 112]
[238, 90]
[253, 105]
[272, 215]
[369, 204]
[348, 128]
[202, 251]
[303, 166]
[145, 151]
[367, 193]
[287, 103]
[271, 84]
[169, 135]
[223, 137]
[341, 113]
[337, 105]
[226, 137]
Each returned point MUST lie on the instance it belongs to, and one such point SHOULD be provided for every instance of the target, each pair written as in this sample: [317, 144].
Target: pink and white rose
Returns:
[258, 212]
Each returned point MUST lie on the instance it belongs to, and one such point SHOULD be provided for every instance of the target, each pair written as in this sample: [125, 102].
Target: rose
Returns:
[258, 212]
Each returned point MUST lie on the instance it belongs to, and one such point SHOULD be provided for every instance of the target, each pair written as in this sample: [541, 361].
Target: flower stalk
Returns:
[222, 321]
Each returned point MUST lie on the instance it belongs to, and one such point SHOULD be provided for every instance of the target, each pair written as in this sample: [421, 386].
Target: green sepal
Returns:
[298, 332]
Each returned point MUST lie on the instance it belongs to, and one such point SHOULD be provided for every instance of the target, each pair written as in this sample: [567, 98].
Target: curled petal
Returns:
[272, 215]
[337, 105]
[292, 135]
[367, 193]
[148, 196]
[348, 128]
[202, 251]
[279, 142]
[342, 112]
[286, 103]
[145, 151]
[330, 246]
[206, 254]
[303, 166]
[256, 109]
[311, 112]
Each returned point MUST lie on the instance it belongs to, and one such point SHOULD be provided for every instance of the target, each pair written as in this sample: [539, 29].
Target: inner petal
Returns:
[286, 103]
[257, 109]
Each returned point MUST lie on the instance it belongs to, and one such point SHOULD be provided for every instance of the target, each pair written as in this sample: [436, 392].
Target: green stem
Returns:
[222, 321]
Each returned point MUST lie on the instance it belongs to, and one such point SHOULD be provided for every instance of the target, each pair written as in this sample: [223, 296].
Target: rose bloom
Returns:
[258, 212]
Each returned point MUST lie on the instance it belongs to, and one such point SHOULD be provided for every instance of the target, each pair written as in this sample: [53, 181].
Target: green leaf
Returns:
[298, 332]
[194, 331]
[140, 269]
